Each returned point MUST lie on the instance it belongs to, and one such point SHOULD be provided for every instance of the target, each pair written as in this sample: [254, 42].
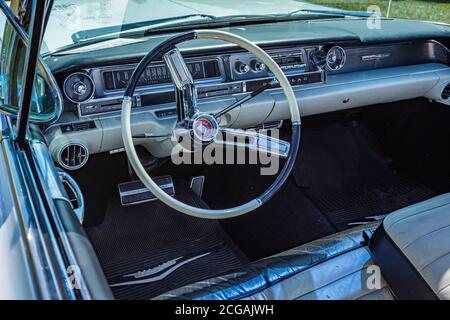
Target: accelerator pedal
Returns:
[134, 192]
[196, 185]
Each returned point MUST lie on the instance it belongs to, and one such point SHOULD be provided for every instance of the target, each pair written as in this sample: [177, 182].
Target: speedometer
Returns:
[335, 58]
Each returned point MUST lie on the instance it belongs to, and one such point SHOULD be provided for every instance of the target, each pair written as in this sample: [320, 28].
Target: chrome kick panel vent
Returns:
[73, 156]
[446, 92]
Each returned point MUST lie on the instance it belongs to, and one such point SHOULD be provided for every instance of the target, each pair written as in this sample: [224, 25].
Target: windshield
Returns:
[75, 21]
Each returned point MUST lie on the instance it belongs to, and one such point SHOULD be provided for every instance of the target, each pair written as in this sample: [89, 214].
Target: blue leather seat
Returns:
[336, 264]
[410, 248]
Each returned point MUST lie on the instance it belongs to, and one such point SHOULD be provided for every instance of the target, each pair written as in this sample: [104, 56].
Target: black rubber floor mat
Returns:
[339, 156]
[343, 171]
[366, 203]
[289, 219]
[148, 249]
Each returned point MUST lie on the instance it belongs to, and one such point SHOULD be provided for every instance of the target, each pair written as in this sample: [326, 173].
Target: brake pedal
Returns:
[135, 192]
[196, 184]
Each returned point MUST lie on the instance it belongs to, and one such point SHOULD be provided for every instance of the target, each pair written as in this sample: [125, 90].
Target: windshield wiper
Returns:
[144, 27]
[141, 29]
[121, 29]
[129, 30]
[342, 13]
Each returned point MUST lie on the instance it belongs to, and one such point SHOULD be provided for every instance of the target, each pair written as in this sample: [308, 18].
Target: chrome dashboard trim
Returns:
[378, 56]
[199, 85]
[378, 86]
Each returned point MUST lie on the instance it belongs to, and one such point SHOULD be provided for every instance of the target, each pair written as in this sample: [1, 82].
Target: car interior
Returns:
[369, 186]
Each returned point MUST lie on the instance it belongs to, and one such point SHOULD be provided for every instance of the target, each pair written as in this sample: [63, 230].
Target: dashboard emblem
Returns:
[205, 128]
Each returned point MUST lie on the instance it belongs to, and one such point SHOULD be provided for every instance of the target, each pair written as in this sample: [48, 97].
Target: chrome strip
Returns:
[78, 194]
[43, 274]
[53, 189]
[257, 142]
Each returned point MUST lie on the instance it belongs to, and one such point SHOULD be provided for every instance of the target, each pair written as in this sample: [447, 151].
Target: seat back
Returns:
[412, 247]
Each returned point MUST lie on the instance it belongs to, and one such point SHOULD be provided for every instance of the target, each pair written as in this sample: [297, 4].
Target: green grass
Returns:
[431, 10]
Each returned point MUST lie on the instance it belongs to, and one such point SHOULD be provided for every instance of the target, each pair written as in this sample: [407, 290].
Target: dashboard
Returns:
[326, 76]
[98, 91]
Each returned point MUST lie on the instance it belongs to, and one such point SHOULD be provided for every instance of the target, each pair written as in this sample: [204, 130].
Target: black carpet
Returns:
[286, 221]
[342, 178]
[369, 202]
[343, 171]
[163, 248]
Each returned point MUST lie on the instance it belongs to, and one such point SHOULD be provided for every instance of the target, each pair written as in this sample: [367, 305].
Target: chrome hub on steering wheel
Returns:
[204, 128]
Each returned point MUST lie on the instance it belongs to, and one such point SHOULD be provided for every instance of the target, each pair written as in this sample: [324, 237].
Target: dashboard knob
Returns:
[242, 67]
[257, 65]
[79, 88]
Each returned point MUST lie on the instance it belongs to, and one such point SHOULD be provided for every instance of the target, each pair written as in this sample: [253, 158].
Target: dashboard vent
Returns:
[446, 92]
[73, 156]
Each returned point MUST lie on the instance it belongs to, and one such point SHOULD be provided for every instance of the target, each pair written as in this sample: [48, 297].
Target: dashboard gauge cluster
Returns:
[79, 87]
[159, 74]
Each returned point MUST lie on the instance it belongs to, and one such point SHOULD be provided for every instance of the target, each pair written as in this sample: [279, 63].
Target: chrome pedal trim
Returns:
[196, 185]
[135, 192]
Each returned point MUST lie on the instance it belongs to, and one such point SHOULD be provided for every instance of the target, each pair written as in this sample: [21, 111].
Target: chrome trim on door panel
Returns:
[78, 194]
[53, 189]
[22, 224]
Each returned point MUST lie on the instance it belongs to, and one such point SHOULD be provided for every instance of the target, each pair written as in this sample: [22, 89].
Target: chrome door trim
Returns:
[23, 233]
[53, 189]
[72, 184]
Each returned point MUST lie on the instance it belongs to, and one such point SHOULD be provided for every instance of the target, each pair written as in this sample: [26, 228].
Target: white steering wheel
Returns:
[185, 86]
